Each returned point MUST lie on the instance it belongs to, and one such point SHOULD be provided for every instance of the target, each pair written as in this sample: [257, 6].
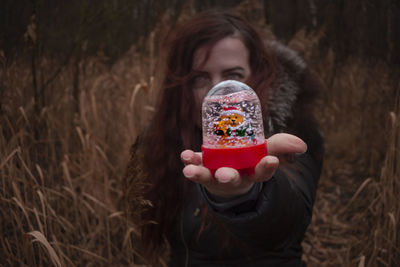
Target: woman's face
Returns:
[228, 60]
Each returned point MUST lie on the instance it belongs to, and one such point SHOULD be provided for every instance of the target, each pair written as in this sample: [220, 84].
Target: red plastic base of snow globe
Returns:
[243, 159]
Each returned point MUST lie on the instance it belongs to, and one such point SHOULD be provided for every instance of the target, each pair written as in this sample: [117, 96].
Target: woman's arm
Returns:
[273, 205]
[273, 212]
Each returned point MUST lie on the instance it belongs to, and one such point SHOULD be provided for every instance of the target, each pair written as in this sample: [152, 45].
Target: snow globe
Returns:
[233, 132]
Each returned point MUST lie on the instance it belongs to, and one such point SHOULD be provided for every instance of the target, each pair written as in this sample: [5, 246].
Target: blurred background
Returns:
[76, 87]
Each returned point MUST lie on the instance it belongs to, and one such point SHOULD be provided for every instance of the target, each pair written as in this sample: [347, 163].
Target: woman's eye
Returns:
[234, 76]
[200, 82]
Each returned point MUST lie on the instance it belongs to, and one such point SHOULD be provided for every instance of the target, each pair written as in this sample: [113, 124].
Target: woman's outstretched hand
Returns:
[227, 182]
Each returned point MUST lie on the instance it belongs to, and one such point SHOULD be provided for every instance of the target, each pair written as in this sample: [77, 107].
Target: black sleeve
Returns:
[278, 210]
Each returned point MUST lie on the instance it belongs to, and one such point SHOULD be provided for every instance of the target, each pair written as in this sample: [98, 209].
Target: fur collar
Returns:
[285, 88]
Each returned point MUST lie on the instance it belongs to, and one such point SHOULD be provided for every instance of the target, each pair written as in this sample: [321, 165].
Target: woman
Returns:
[228, 219]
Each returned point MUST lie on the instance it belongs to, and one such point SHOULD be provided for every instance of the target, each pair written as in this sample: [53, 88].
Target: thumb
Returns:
[283, 143]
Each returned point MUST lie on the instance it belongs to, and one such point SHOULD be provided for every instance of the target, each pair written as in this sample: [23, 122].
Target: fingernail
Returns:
[302, 153]
[184, 157]
[305, 150]
[271, 161]
[188, 175]
[224, 180]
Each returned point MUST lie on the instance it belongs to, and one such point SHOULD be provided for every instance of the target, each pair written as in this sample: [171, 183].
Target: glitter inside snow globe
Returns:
[233, 132]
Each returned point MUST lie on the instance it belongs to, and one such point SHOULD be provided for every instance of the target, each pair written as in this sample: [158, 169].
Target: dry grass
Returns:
[357, 210]
[60, 169]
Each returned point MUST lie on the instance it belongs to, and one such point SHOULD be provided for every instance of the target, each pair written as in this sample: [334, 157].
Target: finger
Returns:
[266, 168]
[190, 157]
[282, 143]
[197, 174]
[227, 175]
[230, 183]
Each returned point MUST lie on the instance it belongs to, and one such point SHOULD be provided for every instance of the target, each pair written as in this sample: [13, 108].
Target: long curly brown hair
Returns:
[155, 165]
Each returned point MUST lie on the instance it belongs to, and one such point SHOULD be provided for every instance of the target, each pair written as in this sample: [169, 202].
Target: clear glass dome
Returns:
[231, 116]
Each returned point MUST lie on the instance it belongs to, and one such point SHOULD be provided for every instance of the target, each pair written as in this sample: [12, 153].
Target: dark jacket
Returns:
[266, 226]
